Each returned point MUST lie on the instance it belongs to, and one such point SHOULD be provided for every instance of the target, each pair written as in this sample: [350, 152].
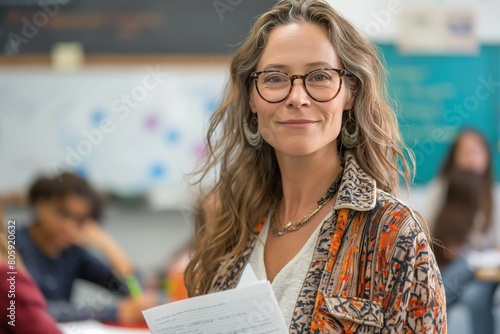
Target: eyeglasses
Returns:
[322, 84]
[63, 213]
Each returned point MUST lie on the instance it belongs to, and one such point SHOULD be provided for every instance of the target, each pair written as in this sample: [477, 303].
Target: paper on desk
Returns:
[484, 259]
[95, 327]
[250, 308]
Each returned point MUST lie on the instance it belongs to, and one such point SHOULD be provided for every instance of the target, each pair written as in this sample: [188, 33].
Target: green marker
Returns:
[133, 286]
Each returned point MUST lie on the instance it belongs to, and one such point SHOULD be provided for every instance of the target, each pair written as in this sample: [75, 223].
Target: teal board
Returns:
[437, 96]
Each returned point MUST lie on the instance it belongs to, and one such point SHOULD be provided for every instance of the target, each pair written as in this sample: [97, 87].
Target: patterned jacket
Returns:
[372, 271]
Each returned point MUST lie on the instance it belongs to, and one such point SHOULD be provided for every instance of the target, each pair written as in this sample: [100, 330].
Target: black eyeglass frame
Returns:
[255, 75]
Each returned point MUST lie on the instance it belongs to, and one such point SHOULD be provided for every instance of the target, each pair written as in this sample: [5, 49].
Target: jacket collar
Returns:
[358, 190]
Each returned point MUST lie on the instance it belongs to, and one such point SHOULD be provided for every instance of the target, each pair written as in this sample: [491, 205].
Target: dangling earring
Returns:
[253, 139]
[349, 140]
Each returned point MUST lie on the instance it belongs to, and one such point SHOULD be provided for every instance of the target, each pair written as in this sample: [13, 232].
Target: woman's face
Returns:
[61, 220]
[471, 154]
[299, 125]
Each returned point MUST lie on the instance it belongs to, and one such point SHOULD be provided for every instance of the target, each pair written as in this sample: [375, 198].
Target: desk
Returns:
[95, 327]
[486, 264]
[491, 274]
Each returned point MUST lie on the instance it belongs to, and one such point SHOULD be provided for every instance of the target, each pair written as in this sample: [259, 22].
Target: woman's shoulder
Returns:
[396, 218]
[382, 210]
[387, 201]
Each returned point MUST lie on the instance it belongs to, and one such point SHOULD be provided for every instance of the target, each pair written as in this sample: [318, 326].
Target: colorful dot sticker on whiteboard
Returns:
[157, 171]
[152, 121]
[172, 136]
[211, 104]
[199, 150]
[97, 116]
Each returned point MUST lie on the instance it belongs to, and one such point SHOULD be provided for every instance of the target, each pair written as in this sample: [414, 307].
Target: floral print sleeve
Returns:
[382, 277]
[413, 297]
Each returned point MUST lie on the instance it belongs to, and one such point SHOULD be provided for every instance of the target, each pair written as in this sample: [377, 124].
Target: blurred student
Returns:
[175, 288]
[470, 151]
[464, 193]
[21, 300]
[66, 211]
[459, 222]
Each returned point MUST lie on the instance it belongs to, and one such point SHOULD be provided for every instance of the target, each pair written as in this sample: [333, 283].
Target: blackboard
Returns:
[437, 96]
[127, 27]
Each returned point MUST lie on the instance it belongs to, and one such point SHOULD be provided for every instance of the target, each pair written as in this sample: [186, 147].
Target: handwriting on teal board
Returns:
[437, 96]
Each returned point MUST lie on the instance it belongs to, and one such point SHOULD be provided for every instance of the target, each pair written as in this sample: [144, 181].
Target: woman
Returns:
[464, 196]
[470, 151]
[306, 149]
[66, 211]
[459, 216]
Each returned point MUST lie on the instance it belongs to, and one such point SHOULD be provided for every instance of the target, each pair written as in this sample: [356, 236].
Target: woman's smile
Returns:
[297, 123]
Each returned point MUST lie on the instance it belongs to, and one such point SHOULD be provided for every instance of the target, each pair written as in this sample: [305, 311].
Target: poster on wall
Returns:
[437, 30]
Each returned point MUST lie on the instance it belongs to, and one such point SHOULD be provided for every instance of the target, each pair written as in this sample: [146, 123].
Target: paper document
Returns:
[250, 308]
[248, 277]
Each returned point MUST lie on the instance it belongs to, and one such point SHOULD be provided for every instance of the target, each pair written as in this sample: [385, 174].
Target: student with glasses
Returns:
[66, 211]
[307, 154]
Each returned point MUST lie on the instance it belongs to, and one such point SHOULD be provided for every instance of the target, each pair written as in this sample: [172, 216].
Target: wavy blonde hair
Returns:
[248, 181]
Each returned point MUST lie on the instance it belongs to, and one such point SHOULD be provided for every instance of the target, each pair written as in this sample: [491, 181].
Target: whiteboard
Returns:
[128, 130]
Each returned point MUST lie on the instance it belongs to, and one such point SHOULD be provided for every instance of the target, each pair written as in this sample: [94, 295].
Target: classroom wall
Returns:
[139, 131]
[379, 19]
[96, 120]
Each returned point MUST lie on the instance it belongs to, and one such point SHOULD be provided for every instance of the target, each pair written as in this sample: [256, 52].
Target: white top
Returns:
[288, 282]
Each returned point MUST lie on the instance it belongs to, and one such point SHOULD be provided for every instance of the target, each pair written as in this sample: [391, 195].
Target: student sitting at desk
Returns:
[66, 210]
[464, 194]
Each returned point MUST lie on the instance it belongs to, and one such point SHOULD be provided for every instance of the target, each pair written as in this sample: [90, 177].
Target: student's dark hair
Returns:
[459, 212]
[487, 177]
[62, 185]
